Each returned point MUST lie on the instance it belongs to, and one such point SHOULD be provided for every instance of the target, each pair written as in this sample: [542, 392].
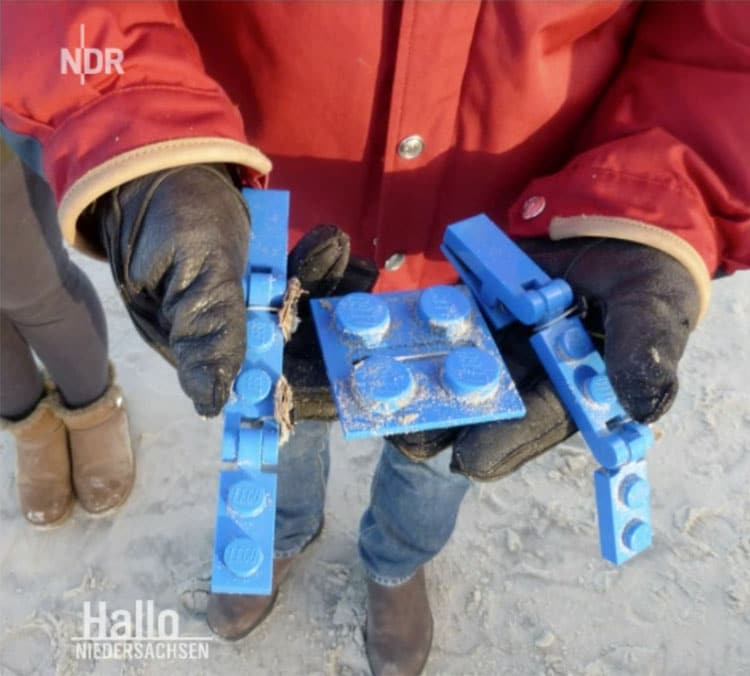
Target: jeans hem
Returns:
[297, 549]
[288, 554]
[385, 581]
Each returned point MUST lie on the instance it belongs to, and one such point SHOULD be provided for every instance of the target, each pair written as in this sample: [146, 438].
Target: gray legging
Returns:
[47, 304]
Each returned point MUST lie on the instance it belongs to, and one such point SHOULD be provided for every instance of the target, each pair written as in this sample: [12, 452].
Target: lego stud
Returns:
[594, 386]
[445, 309]
[383, 384]
[243, 557]
[471, 374]
[636, 536]
[253, 385]
[639, 438]
[246, 499]
[634, 491]
[599, 390]
[364, 317]
[611, 451]
[574, 344]
[260, 334]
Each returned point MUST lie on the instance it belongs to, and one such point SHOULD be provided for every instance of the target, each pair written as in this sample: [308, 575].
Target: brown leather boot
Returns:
[43, 466]
[101, 455]
[234, 616]
[398, 635]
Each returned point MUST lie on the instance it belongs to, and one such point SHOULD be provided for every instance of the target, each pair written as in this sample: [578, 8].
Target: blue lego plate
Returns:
[411, 361]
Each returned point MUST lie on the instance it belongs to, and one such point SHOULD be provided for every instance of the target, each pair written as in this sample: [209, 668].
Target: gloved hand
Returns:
[641, 305]
[323, 263]
[177, 245]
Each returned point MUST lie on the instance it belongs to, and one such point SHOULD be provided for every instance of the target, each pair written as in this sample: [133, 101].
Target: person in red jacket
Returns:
[609, 137]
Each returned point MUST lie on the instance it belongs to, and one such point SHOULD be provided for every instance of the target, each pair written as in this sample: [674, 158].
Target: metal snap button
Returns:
[532, 207]
[411, 147]
[394, 262]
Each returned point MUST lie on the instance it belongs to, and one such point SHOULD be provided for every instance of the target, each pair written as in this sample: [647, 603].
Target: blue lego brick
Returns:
[269, 211]
[245, 517]
[410, 361]
[578, 373]
[622, 505]
[506, 282]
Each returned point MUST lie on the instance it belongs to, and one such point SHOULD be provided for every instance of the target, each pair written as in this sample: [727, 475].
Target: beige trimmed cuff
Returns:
[146, 160]
[642, 233]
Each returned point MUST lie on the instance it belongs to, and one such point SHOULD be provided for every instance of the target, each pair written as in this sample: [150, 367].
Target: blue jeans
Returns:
[412, 512]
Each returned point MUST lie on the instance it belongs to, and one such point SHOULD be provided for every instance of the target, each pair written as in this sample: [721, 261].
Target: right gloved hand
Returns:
[177, 244]
[324, 266]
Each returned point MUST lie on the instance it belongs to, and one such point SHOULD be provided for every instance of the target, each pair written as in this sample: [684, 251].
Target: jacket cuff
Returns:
[146, 160]
[642, 233]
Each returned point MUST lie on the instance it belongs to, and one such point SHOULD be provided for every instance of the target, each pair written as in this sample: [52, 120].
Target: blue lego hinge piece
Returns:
[410, 361]
[508, 285]
[246, 509]
[577, 371]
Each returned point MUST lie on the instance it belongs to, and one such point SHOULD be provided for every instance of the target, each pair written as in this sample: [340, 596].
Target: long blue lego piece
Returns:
[578, 373]
[246, 504]
[509, 284]
[411, 361]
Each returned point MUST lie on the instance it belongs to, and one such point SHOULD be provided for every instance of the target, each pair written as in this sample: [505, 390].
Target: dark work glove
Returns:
[177, 245]
[641, 306]
[322, 262]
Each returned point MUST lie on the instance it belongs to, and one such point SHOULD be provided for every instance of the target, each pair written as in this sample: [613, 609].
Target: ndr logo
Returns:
[90, 60]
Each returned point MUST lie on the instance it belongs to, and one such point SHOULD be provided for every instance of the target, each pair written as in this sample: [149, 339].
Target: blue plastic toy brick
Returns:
[508, 287]
[622, 503]
[411, 361]
[578, 373]
[508, 284]
[245, 515]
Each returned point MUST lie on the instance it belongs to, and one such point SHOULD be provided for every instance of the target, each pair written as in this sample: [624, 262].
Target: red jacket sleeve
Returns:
[669, 142]
[81, 123]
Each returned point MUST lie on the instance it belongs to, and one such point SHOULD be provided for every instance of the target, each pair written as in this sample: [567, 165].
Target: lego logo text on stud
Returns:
[243, 557]
[383, 383]
[363, 317]
[246, 499]
[446, 310]
[471, 374]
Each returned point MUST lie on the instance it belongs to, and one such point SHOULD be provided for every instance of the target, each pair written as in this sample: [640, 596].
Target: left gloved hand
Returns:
[641, 306]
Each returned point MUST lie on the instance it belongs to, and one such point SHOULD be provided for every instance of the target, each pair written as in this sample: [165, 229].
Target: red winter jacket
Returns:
[392, 120]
